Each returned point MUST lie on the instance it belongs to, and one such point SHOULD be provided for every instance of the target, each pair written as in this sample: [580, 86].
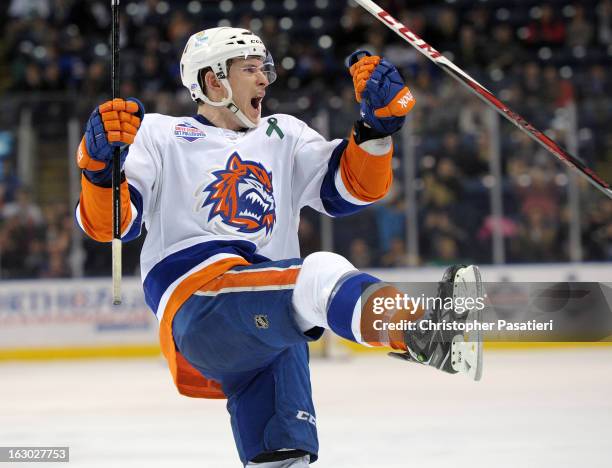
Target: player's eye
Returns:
[267, 69]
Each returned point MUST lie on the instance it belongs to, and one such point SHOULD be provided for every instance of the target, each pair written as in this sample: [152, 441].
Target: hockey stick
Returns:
[116, 175]
[488, 97]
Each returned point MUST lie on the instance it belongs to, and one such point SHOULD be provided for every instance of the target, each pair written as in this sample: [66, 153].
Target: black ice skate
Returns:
[450, 350]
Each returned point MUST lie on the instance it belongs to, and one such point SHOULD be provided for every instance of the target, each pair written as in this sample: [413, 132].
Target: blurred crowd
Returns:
[34, 242]
[550, 61]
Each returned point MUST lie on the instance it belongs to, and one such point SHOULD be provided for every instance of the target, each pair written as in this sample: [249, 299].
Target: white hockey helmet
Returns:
[213, 48]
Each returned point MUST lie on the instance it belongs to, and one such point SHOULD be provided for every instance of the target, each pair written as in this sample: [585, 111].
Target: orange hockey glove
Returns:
[114, 123]
[379, 88]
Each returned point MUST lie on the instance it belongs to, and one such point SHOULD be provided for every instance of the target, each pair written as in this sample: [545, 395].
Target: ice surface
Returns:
[532, 409]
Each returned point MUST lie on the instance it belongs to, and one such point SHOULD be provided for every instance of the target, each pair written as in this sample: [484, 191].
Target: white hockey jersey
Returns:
[212, 198]
[201, 190]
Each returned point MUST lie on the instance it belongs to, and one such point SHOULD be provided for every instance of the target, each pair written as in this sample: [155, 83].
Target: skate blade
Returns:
[467, 357]
[467, 349]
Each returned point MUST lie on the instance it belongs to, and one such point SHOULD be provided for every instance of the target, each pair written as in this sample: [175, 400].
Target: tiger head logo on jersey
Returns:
[241, 195]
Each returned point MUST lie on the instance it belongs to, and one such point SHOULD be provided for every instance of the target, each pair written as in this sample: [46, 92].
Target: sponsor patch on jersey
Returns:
[188, 132]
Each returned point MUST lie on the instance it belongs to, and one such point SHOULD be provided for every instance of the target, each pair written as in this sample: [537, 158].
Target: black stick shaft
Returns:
[116, 177]
[116, 172]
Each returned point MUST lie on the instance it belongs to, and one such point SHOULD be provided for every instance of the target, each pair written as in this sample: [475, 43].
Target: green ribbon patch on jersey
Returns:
[273, 127]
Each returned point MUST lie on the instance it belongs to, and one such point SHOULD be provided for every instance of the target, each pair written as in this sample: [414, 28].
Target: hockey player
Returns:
[220, 194]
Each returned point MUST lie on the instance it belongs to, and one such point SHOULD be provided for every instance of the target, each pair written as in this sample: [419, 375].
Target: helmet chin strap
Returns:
[229, 103]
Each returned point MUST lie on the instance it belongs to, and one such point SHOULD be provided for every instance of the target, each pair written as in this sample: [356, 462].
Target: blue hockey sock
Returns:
[344, 308]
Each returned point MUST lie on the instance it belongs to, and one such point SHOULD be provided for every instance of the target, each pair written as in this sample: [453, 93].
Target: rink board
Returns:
[51, 319]
[74, 318]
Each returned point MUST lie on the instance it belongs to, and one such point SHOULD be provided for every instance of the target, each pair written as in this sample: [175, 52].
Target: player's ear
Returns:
[211, 83]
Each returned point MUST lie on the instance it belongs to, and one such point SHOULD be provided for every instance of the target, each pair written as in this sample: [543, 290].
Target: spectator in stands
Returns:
[35, 261]
[444, 31]
[179, 30]
[32, 79]
[531, 83]
[479, 17]
[96, 80]
[52, 78]
[17, 234]
[390, 219]
[58, 238]
[343, 115]
[396, 257]
[470, 49]
[508, 228]
[11, 248]
[23, 209]
[503, 51]
[597, 83]
[604, 22]
[151, 76]
[536, 237]
[436, 224]
[25, 9]
[471, 119]
[3, 198]
[407, 59]
[352, 29]
[360, 254]
[8, 180]
[547, 30]
[557, 92]
[539, 194]
[456, 158]
[597, 234]
[445, 251]
[579, 31]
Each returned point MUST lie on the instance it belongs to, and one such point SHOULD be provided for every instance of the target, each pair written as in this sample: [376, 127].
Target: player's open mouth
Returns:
[256, 102]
